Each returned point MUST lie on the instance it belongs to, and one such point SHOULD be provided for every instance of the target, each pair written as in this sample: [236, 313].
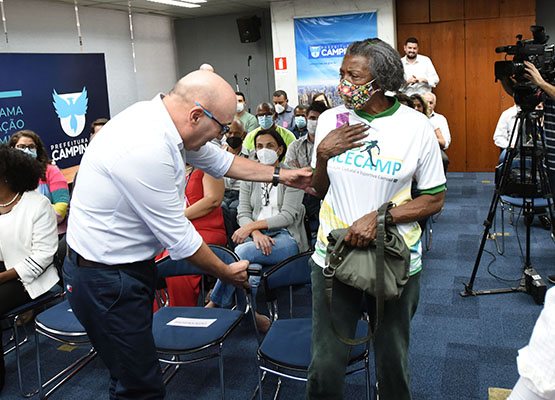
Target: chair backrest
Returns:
[292, 271]
[168, 267]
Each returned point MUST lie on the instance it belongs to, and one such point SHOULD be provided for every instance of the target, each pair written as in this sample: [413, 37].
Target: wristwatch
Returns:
[275, 177]
[388, 216]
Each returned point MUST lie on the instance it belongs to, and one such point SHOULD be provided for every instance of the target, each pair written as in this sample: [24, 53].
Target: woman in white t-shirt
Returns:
[28, 234]
[369, 150]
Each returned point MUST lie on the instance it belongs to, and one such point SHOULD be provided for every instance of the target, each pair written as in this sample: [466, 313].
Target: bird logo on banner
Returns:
[71, 109]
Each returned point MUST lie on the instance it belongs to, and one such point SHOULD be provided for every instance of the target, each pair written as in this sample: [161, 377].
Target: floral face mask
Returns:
[355, 96]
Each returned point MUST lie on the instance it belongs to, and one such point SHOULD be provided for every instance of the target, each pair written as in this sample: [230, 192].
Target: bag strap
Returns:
[329, 273]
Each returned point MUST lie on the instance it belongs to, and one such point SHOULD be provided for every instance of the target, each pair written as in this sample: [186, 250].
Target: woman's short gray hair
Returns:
[384, 62]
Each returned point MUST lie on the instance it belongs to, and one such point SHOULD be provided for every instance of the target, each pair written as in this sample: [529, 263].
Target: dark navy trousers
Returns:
[114, 304]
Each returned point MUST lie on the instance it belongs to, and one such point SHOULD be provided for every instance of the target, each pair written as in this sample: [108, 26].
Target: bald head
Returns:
[206, 67]
[237, 126]
[209, 90]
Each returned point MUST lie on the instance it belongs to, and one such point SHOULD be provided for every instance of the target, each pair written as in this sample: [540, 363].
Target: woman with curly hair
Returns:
[28, 235]
[53, 185]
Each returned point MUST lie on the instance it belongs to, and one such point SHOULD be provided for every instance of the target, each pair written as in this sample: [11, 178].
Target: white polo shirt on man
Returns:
[422, 67]
[128, 202]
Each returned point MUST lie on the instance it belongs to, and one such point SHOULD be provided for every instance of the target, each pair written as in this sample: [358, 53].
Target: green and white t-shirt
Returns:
[401, 145]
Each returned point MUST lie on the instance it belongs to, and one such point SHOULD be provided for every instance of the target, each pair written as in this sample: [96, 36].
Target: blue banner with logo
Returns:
[321, 43]
[57, 96]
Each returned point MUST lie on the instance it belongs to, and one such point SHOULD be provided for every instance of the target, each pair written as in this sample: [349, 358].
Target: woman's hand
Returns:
[341, 139]
[241, 234]
[362, 231]
[263, 242]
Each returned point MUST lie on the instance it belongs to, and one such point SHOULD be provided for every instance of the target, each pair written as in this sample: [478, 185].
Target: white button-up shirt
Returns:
[128, 202]
[422, 67]
[439, 121]
[504, 128]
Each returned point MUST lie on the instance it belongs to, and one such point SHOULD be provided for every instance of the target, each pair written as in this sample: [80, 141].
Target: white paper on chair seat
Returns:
[192, 322]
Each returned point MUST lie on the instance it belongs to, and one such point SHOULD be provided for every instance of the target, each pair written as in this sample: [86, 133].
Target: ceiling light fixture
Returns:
[179, 3]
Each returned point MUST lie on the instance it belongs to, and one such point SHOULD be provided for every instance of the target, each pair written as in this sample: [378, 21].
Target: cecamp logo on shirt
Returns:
[327, 50]
[71, 109]
[367, 158]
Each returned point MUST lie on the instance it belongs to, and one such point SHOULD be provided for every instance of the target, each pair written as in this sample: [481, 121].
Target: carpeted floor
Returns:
[460, 346]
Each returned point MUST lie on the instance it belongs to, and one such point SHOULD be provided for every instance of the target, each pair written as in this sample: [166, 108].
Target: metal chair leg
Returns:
[18, 360]
[221, 365]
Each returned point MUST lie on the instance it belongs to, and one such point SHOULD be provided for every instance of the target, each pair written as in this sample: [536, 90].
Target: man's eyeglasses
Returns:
[225, 129]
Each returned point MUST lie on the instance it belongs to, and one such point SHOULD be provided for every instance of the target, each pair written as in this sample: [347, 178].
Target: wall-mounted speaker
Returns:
[249, 29]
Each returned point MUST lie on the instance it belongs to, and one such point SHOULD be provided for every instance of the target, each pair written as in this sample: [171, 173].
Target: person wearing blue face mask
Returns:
[300, 121]
[266, 115]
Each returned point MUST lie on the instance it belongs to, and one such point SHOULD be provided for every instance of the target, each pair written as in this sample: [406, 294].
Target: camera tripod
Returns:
[531, 183]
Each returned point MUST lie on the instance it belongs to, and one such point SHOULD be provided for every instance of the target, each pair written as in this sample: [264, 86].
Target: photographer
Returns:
[549, 123]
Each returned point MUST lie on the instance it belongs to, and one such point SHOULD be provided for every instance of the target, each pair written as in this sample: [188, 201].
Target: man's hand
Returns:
[412, 80]
[241, 234]
[533, 74]
[422, 80]
[236, 274]
[341, 139]
[297, 178]
[363, 230]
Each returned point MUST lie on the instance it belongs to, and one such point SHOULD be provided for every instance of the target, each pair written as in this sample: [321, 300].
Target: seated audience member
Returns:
[249, 121]
[322, 98]
[404, 99]
[96, 126]
[54, 184]
[504, 128]
[535, 361]
[420, 104]
[203, 196]
[441, 128]
[285, 115]
[299, 155]
[271, 220]
[300, 121]
[28, 235]
[266, 115]
[234, 144]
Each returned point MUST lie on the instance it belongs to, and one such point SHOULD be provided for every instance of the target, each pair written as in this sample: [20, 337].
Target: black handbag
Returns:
[380, 270]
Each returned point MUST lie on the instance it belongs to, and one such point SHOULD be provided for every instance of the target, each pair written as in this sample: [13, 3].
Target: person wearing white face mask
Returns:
[249, 121]
[270, 219]
[266, 115]
[285, 115]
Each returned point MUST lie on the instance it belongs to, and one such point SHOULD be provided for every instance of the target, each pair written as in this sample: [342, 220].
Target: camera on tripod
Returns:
[511, 73]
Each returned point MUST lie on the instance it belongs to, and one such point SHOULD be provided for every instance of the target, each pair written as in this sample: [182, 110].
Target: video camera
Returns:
[511, 73]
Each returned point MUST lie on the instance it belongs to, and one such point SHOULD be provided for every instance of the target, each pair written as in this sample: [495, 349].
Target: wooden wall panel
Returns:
[517, 8]
[485, 98]
[442, 10]
[448, 56]
[479, 9]
[413, 11]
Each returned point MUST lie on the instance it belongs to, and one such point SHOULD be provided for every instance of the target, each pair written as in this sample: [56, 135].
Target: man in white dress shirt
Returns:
[420, 75]
[128, 205]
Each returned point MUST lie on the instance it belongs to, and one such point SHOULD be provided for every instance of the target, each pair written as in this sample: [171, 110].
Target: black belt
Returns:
[81, 262]
[85, 263]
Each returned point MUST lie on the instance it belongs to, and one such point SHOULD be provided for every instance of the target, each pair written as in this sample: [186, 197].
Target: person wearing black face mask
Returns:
[234, 144]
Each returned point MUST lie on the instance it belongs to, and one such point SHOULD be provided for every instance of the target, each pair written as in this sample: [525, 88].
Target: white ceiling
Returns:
[211, 7]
